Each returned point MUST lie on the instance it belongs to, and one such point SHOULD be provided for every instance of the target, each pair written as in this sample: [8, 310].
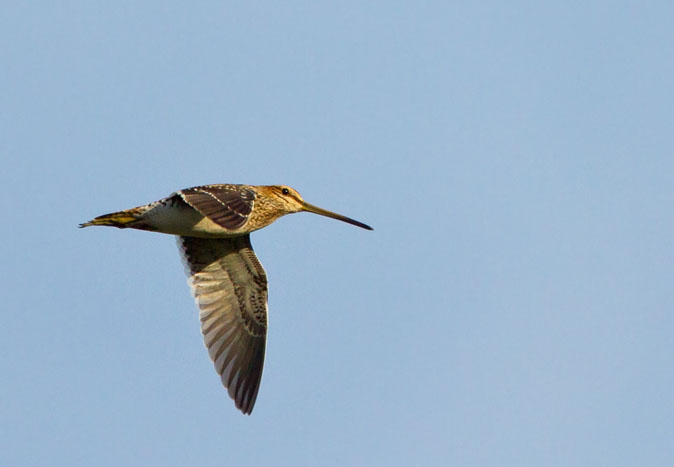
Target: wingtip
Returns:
[245, 408]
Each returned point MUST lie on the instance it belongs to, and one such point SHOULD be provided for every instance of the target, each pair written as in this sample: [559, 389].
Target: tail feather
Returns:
[120, 219]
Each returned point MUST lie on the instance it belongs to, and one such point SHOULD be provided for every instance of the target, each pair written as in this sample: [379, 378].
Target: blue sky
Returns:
[512, 307]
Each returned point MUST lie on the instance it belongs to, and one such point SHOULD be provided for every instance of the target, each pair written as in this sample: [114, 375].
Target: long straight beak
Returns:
[324, 212]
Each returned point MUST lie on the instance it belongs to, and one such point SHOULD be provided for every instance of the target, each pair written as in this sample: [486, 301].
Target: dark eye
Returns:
[285, 191]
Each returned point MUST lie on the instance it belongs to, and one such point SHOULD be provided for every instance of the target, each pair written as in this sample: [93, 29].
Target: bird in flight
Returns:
[213, 224]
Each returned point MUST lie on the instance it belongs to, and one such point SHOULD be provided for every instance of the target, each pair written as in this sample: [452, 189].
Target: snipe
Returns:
[213, 224]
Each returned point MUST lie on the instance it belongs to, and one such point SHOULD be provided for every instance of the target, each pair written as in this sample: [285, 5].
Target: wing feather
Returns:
[230, 287]
[227, 205]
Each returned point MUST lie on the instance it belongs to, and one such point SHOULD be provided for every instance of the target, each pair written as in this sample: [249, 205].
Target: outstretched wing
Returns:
[230, 287]
[227, 205]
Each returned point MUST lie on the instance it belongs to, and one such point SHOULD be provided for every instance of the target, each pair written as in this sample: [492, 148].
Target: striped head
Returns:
[279, 200]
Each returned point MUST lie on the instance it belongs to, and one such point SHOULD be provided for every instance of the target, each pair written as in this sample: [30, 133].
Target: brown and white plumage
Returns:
[230, 288]
[228, 282]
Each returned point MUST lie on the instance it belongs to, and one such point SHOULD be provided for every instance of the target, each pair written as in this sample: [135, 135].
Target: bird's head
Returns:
[287, 200]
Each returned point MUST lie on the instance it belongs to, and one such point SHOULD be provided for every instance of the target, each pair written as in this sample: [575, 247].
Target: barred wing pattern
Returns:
[230, 287]
[227, 205]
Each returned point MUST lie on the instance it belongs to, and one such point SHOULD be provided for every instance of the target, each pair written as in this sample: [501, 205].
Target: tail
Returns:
[121, 219]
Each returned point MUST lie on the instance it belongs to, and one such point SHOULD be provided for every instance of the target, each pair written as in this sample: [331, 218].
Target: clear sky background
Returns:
[514, 305]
